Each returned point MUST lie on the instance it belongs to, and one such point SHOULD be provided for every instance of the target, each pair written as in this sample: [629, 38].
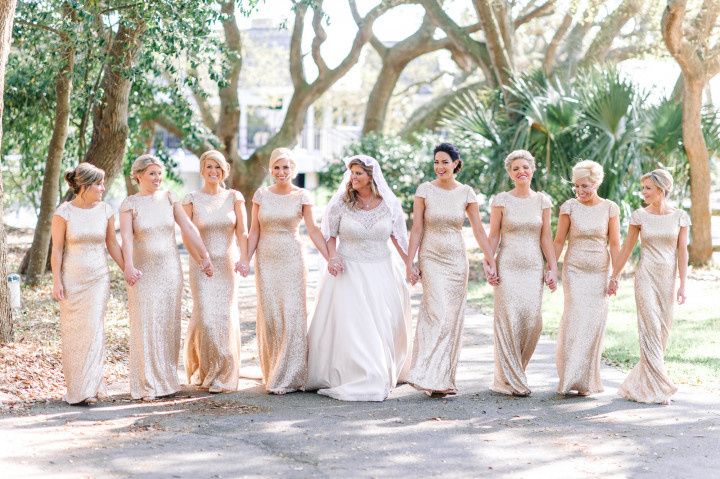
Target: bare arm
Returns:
[682, 262]
[416, 234]
[314, 232]
[335, 265]
[563, 227]
[614, 237]
[548, 249]
[112, 244]
[131, 273]
[496, 216]
[626, 250]
[241, 235]
[403, 254]
[57, 231]
[473, 215]
[192, 239]
[254, 235]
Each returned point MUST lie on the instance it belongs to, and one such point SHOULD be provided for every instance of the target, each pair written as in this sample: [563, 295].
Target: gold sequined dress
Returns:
[281, 326]
[585, 275]
[444, 266]
[648, 381]
[86, 282]
[518, 297]
[154, 300]
[212, 345]
[358, 336]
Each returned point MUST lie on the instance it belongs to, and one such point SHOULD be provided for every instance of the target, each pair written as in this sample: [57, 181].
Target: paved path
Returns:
[478, 433]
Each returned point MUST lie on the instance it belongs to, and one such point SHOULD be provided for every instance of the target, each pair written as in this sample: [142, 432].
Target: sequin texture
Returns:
[585, 274]
[212, 346]
[648, 381]
[86, 282]
[280, 280]
[444, 266]
[154, 300]
[518, 297]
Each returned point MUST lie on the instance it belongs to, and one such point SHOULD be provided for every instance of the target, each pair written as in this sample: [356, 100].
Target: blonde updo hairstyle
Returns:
[660, 178]
[589, 169]
[82, 176]
[519, 155]
[283, 154]
[351, 196]
[142, 163]
[218, 158]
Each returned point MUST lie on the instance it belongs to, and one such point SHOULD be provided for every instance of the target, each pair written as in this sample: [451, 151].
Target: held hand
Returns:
[490, 270]
[612, 287]
[412, 273]
[551, 280]
[58, 292]
[681, 294]
[242, 268]
[335, 266]
[132, 275]
[207, 267]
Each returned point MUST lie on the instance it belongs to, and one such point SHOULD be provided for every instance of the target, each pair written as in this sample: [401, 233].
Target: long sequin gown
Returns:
[648, 381]
[518, 297]
[86, 282]
[358, 336]
[154, 300]
[281, 326]
[585, 275]
[212, 345]
[444, 265]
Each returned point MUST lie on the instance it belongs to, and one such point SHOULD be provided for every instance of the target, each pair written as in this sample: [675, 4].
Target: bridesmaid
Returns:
[591, 225]
[520, 223]
[439, 212]
[147, 227]
[280, 274]
[81, 231]
[663, 235]
[212, 347]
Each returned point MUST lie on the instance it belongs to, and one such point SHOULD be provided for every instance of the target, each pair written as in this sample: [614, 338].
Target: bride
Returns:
[358, 336]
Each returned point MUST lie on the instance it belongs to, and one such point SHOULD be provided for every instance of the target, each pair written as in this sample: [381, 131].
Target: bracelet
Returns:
[614, 280]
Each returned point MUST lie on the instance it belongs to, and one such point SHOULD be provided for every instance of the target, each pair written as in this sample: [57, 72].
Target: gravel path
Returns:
[477, 433]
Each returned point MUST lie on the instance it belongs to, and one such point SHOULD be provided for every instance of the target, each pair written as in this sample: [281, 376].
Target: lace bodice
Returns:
[362, 235]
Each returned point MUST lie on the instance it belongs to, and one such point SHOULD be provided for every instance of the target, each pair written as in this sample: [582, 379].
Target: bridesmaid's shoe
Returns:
[583, 393]
[521, 395]
[91, 401]
[215, 390]
[149, 398]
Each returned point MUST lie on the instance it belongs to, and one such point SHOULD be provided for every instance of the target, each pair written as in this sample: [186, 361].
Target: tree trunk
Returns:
[110, 116]
[7, 14]
[697, 153]
[379, 99]
[499, 54]
[51, 182]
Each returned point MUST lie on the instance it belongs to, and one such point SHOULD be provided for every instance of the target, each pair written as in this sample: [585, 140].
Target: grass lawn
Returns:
[693, 355]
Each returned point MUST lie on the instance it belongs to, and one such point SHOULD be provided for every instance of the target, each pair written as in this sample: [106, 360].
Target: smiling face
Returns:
[520, 171]
[94, 192]
[150, 179]
[650, 192]
[359, 179]
[212, 173]
[585, 190]
[282, 171]
[444, 165]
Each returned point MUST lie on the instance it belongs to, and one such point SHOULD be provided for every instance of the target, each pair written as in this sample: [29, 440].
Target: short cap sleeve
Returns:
[470, 196]
[684, 219]
[257, 196]
[614, 209]
[545, 201]
[108, 211]
[172, 198]
[499, 200]
[635, 217]
[128, 204]
[333, 217]
[567, 207]
[305, 198]
[422, 190]
[189, 199]
[63, 211]
[237, 196]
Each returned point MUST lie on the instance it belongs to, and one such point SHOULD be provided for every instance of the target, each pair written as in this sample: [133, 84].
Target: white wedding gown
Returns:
[359, 334]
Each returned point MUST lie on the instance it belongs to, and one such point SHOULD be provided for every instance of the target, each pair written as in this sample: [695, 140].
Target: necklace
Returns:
[366, 206]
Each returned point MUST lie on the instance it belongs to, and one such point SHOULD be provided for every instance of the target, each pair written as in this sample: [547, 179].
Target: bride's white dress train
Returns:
[359, 333]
